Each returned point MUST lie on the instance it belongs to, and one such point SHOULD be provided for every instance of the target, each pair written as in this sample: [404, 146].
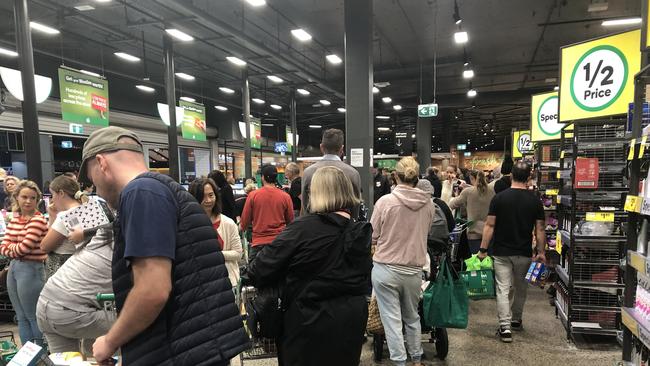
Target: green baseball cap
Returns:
[105, 140]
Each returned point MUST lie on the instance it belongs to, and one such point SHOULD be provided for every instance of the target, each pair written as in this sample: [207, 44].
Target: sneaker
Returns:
[505, 334]
[516, 325]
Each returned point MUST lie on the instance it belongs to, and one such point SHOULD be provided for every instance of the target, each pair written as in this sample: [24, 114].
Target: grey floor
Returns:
[543, 342]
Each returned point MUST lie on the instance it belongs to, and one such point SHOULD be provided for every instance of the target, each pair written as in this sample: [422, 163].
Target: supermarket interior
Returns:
[462, 86]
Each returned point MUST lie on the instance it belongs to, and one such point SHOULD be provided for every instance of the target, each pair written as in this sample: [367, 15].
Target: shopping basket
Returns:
[479, 283]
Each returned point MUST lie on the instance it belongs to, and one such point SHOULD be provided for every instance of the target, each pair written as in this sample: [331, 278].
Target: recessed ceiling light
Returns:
[383, 117]
[413, 136]
[226, 90]
[624, 21]
[471, 93]
[145, 88]
[397, 107]
[236, 61]
[90, 73]
[258, 100]
[303, 91]
[275, 106]
[221, 108]
[468, 74]
[188, 99]
[375, 90]
[341, 109]
[256, 3]
[275, 79]
[461, 37]
[84, 7]
[325, 102]
[301, 34]
[179, 35]
[185, 76]
[6, 52]
[268, 124]
[126, 56]
[334, 59]
[383, 129]
[386, 99]
[43, 28]
[315, 126]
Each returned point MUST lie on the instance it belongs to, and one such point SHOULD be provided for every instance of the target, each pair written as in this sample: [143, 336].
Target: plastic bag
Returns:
[445, 301]
[474, 263]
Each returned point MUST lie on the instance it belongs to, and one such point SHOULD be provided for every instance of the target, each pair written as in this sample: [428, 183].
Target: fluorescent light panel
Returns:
[461, 37]
[258, 100]
[624, 21]
[256, 3]
[179, 35]
[145, 88]
[342, 110]
[397, 107]
[236, 61]
[383, 117]
[333, 59]
[301, 35]
[226, 90]
[126, 56]
[275, 79]
[43, 28]
[315, 126]
[468, 74]
[7, 52]
[325, 102]
[375, 90]
[221, 108]
[275, 106]
[185, 76]
[188, 99]
[84, 7]
[556, 88]
[386, 99]
[90, 73]
[303, 91]
[471, 93]
[383, 129]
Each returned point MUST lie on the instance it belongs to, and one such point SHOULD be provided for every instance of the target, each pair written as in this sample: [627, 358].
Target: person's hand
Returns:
[76, 235]
[481, 255]
[540, 257]
[51, 210]
[103, 351]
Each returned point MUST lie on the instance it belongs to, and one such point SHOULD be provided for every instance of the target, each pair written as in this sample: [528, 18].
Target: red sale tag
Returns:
[99, 103]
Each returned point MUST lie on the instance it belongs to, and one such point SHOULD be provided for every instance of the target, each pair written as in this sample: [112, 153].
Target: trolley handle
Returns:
[105, 297]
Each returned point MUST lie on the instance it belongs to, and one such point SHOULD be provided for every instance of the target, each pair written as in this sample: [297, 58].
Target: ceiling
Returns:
[513, 49]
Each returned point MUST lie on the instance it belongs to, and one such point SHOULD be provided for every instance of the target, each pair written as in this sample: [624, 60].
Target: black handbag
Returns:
[268, 313]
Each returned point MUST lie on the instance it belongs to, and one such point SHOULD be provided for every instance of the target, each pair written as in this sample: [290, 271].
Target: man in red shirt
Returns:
[269, 209]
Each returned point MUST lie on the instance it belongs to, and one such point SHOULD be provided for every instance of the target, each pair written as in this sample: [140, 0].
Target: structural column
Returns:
[294, 125]
[30, 113]
[170, 92]
[423, 125]
[246, 112]
[359, 123]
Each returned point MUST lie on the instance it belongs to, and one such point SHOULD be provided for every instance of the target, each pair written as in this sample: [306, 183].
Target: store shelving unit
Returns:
[591, 238]
[548, 184]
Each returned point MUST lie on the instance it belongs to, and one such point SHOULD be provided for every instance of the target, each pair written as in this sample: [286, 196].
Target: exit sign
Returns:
[76, 129]
[428, 110]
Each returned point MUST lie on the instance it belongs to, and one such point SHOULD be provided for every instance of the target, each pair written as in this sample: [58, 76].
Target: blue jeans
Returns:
[397, 297]
[25, 281]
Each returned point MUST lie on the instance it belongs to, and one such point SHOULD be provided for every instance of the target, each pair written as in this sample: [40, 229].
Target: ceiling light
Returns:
[624, 21]
[275, 106]
[397, 107]
[386, 99]
[90, 73]
[268, 124]
[461, 37]
[383, 129]
[341, 109]
[325, 102]
[102, 1]
[275, 79]
[226, 90]
[256, 2]
[375, 90]
[185, 76]
[145, 88]
[126, 56]
[556, 88]
[301, 34]
[43, 28]
[413, 136]
[471, 93]
[468, 74]
[6, 52]
[221, 108]
[236, 61]
[84, 7]
[466, 63]
[333, 59]
[179, 35]
[188, 99]
[383, 117]
[315, 126]
[457, 19]
[303, 91]
[258, 101]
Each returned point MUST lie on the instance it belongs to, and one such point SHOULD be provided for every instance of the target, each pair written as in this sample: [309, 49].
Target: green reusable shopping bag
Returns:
[474, 263]
[479, 278]
[445, 301]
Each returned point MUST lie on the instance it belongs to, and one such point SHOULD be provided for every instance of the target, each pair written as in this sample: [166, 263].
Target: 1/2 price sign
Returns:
[597, 77]
[521, 144]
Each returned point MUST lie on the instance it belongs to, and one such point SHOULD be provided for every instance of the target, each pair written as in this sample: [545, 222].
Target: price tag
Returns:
[644, 139]
[600, 216]
[645, 207]
[552, 192]
[558, 199]
[630, 154]
[558, 242]
[559, 174]
[562, 154]
[632, 203]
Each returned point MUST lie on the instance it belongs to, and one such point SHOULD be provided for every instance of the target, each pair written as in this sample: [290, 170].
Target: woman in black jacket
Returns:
[225, 191]
[323, 261]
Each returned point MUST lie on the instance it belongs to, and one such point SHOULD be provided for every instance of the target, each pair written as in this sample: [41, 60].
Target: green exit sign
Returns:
[76, 129]
[428, 110]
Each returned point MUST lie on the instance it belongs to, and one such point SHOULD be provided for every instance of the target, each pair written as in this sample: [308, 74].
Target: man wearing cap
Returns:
[269, 209]
[172, 292]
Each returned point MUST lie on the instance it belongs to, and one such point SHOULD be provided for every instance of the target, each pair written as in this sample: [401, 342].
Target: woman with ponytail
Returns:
[401, 222]
[476, 199]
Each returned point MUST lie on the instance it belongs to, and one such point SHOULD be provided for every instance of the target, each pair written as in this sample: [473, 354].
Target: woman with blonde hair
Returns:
[10, 186]
[401, 222]
[322, 260]
[22, 243]
[476, 199]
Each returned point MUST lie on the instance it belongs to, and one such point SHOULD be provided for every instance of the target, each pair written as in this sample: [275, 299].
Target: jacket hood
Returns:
[412, 198]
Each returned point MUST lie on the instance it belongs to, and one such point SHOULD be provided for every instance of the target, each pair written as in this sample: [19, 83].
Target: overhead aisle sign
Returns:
[597, 77]
[193, 126]
[521, 144]
[544, 123]
[256, 133]
[84, 98]
[289, 138]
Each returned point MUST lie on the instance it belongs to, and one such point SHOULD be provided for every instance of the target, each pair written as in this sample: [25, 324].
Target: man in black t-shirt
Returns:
[292, 173]
[381, 186]
[514, 214]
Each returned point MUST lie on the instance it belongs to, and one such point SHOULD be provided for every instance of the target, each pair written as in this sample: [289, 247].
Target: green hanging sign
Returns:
[84, 98]
[193, 126]
[256, 133]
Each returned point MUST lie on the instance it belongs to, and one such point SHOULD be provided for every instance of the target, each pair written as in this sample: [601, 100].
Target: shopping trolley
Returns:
[261, 348]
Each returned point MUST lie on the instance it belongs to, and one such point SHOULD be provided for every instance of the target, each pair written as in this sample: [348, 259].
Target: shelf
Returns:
[563, 317]
[561, 272]
[638, 261]
[636, 325]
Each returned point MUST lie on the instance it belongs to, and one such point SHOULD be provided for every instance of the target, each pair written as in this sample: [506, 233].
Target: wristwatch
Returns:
[482, 250]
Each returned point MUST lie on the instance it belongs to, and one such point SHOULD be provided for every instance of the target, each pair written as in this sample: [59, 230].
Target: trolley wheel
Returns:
[377, 347]
[442, 342]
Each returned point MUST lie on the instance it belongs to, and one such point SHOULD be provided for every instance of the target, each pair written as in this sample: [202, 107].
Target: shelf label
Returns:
[630, 154]
[644, 139]
[559, 174]
[558, 242]
[632, 203]
[552, 192]
[558, 199]
[600, 216]
[562, 154]
[645, 207]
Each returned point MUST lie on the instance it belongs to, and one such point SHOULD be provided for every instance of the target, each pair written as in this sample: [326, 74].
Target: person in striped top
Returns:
[26, 276]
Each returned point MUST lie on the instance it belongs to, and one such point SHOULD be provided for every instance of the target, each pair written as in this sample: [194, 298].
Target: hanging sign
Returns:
[256, 133]
[193, 126]
[289, 137]
[646, 26]
[597, 77]
[427, 110]
[544, 124]
[84, 98]
[521, 144]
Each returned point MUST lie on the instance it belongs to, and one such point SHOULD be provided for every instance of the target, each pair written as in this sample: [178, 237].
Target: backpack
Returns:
[438, 237]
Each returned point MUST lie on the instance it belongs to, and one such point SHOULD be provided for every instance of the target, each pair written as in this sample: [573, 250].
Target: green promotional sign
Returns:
[84, 98]
[289, 139]
[193, 126]
[388, 164]
[256, 135]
